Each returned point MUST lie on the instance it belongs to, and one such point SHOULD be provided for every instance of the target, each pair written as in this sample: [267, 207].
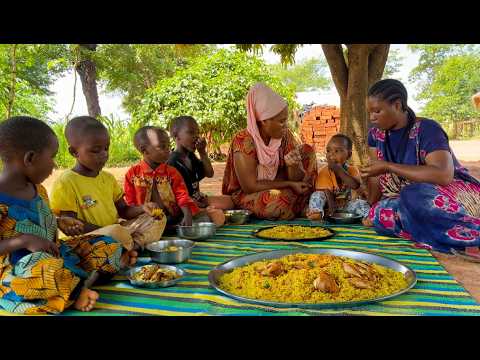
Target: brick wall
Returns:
[319, 125]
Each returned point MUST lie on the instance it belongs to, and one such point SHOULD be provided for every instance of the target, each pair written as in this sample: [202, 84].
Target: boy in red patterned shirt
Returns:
[152, 180]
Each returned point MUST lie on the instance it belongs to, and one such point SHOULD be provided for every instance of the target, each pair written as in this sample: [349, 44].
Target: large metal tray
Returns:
[218, 271]
[257, 235]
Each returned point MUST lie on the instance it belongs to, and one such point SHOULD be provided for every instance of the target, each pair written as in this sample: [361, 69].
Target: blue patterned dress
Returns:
[440, 217]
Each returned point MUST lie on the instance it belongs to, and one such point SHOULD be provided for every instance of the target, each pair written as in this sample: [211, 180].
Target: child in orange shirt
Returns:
[153, 180]
[335, 182]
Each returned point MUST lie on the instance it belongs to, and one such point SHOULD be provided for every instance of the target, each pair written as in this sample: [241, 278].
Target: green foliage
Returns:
[213, 91]
[447, 76]
[306, 75]
[131, 69]
[37, 68]
[453, 85]
[121, 152]
[394, 62]
[432, 56]
[286, 51]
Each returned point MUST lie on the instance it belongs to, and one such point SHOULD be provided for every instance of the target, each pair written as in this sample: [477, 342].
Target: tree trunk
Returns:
[366, 63]
[87, 71]
[13, 81]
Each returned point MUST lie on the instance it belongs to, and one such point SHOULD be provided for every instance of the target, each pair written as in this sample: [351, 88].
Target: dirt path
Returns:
[468, 152]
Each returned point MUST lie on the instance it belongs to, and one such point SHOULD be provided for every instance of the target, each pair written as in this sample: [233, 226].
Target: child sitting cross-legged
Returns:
[152, 180]
[335, 182]
[93, 196]
[37, 276]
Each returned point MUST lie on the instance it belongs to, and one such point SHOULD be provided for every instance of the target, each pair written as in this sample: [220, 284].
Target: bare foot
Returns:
[86, 300]
[315, 216]
[216, 215]
[128, 258]
[367, 222]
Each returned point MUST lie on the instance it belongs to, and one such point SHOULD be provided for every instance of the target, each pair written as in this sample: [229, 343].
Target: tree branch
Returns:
[338, 67]
[13, 81]
[376, 62]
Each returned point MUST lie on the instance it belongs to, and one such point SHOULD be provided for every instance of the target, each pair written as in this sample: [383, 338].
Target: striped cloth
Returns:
[436, 292]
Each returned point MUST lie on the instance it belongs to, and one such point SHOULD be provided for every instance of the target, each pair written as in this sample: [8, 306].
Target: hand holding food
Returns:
[300, 187]
[293, 158]
[70, 226]
[376, 168]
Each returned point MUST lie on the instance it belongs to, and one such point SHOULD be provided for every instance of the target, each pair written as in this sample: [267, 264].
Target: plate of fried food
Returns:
[155, 275]
[294, 233]
[312, 278]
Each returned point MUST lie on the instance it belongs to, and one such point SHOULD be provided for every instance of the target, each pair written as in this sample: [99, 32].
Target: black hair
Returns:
[346, 139]
[178, 123]
[140, 139]
[80, 126]
[20, 134]
[391, 90]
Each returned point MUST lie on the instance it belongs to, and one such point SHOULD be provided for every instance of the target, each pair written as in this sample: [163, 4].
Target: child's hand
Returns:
[34, 243]
[332, 205]
[70, 226]
[201, 145]
[150, 208]
[187, 220]
[300, 187]
[334, 166]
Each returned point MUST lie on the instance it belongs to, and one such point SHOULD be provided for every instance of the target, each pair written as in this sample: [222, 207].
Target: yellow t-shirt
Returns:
[92, 199]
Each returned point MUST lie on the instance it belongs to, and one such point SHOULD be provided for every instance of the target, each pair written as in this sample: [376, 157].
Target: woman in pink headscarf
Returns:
[267, 171]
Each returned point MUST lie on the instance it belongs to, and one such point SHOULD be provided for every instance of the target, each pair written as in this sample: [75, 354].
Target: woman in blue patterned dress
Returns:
[417, 188]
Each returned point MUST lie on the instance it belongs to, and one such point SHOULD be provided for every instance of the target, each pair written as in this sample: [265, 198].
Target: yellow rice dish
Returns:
[312, 278]
[289, 232]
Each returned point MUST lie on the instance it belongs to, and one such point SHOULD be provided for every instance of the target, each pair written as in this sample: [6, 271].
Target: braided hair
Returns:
[391, 90]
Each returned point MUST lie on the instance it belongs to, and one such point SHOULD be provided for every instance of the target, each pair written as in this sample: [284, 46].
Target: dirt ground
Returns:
[468, 152]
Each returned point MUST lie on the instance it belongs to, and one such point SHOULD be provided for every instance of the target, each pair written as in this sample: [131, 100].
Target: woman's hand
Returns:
[34, 243]
[375, 168]
[70, 226]
[300, 187]
[293, 158]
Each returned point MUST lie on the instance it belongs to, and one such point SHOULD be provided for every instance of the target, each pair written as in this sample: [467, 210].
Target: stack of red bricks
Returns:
[319, 125]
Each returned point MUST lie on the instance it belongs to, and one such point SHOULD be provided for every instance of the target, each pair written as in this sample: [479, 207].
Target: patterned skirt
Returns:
[443, 217]
[280, 204]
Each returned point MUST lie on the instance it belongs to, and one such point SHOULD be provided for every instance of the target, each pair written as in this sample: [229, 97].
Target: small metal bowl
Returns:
[237, 217]
[159, 284]
[198, 232]
[159, 254]
[344, 217]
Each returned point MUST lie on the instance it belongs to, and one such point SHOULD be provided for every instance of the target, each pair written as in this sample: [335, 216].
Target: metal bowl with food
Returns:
[237, 217]
[173, 251]
[155, 275]
[344, 217]
[198, 232]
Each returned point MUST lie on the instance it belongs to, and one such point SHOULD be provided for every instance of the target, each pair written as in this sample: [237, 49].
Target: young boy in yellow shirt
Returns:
[94, 197]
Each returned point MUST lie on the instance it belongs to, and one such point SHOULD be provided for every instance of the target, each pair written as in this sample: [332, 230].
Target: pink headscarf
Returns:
[262, 104]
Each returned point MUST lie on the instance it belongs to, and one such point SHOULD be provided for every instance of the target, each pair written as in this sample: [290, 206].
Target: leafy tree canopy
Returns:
[213, 90]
